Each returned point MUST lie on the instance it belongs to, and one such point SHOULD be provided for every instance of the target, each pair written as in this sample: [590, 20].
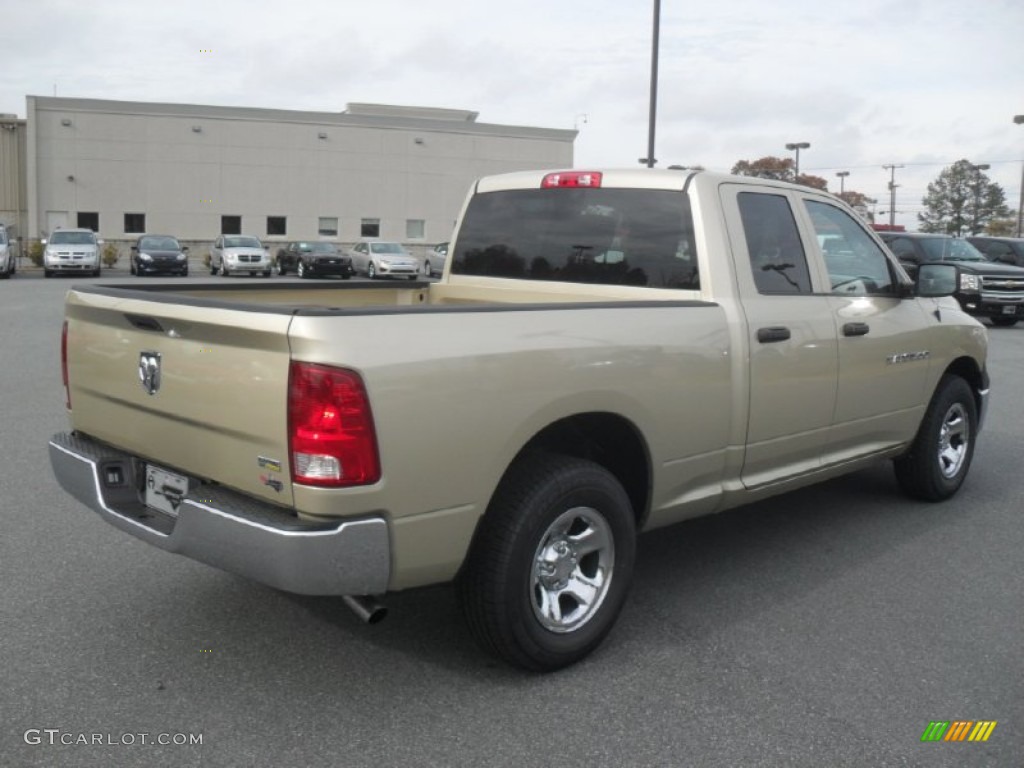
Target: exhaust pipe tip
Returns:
[367, 608]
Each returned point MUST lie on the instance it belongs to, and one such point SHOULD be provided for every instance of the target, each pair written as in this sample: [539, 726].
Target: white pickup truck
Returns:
[607, 352]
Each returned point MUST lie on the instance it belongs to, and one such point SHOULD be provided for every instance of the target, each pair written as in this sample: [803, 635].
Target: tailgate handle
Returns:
[769, 335]
[856, 329]
[145, 323]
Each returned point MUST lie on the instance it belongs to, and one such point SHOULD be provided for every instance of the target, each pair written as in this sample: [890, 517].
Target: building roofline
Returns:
[380, 116]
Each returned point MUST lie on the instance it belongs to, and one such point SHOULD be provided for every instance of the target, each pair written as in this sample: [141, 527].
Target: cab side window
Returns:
[856, 265]
[777, 256]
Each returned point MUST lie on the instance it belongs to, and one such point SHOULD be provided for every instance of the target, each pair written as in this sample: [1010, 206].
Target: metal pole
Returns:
[1019, 120]
[654, 84]
[892, 193]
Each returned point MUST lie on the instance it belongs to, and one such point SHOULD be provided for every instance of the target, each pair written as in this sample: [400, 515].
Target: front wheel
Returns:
[281, 270]
[371, 271]
[550, 566]
[301, 270]
[940, 456]
[1004, 322]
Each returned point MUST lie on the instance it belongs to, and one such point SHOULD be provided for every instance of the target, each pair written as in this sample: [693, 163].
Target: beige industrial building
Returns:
[124, 168]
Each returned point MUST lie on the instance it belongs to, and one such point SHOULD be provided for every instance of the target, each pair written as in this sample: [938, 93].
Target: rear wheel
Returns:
[940, 456]
[551, 563]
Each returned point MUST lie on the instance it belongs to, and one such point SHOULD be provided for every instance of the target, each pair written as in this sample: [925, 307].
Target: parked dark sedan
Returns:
[158, 254]
[1006, 250]
[313, 259]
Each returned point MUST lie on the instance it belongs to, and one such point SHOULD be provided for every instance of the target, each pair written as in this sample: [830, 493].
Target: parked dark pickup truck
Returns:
[986, 289]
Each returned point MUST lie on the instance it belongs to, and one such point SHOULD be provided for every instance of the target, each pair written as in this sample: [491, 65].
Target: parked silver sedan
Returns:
[378, 258]
[434, 261]
[239, 254]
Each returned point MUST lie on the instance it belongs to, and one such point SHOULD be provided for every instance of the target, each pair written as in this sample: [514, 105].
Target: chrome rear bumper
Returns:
[229, 530]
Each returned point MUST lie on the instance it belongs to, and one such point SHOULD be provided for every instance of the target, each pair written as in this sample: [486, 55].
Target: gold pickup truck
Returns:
[607, 352]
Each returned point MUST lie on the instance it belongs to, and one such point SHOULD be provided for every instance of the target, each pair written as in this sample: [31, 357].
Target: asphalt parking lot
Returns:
[827, 627]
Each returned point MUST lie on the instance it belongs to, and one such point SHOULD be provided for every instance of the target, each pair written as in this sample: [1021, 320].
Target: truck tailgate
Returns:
[218, 404]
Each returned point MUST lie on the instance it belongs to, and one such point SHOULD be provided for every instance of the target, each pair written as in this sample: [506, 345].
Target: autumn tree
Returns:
[778, 168]
[961, 201]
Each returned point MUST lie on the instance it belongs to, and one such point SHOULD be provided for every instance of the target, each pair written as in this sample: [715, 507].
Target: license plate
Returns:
[1009, 310]
[164, 490]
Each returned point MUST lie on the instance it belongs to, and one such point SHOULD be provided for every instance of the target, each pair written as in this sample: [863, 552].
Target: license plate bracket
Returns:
[1009, 310]
[164, 490]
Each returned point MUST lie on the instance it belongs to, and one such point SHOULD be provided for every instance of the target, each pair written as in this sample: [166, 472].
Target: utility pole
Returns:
[892, 192]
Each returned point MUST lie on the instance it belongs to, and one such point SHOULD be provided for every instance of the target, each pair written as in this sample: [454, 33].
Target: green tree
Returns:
[962, 200]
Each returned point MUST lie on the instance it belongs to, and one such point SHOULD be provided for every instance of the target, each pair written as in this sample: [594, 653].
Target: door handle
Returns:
[856, 329]
[769, 335]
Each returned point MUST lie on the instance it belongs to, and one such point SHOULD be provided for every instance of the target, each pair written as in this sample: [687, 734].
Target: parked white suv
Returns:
[239, 254]
[7, 265]
[71, 250]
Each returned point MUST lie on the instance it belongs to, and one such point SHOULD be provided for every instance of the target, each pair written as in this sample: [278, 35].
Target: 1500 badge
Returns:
[907, 357]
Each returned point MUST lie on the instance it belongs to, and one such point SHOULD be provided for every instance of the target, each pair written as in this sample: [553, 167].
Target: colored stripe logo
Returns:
[959, 730]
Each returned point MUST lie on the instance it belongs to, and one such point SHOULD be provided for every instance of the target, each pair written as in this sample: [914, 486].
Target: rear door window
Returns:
[777, 256]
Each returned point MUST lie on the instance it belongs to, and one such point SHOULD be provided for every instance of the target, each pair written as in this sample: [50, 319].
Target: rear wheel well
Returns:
[606, 439]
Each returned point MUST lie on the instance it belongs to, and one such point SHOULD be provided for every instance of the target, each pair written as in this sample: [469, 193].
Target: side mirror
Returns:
[135, 247]
[43, 241]
[99, 242]
[936, 280]
[184, 249]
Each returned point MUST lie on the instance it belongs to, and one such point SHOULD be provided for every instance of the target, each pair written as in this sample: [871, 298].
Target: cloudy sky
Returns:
[867, 83]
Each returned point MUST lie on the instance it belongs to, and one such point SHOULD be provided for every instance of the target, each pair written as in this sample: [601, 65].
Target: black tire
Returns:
[940, 456]
[371, 271]
[281, 268]
[47, 273]
[213, 268]
[184, 272]
[413, 277]
[224, 268]
[131, 267]
[346, 276]
[531, 546]
[427, 270]
[1003, 322]
[266, 273]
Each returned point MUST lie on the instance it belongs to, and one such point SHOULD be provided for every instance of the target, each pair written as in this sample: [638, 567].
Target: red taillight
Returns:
[572, 179]
[64, 364]
[331, 436]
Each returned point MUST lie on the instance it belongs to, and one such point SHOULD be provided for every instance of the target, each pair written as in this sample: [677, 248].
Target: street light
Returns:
[1018, 120]
[796, 146]
[842, 181]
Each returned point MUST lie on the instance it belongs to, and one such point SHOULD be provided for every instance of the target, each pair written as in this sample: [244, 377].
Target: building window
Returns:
[134, 223]
[277, 225]
[89, 221]
[369, 228]
[414, 229]
[327, 226]
[231, 225]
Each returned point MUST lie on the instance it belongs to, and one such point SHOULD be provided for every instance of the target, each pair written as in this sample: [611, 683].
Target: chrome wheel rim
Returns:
[572, 570]
[954, 438]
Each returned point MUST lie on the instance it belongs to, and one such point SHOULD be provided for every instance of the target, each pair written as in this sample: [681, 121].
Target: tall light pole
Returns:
[796, 146]
[977, 193]
[649, 160]
[1018, 120]
[892, 193]
[842, 181]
